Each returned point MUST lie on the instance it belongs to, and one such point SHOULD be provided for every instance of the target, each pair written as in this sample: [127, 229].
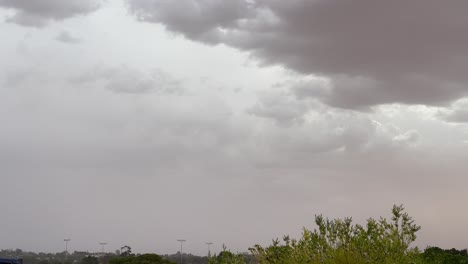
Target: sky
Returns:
[140, 122]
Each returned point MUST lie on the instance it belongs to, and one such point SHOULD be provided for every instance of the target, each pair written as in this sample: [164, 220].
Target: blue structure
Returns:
[10, 261]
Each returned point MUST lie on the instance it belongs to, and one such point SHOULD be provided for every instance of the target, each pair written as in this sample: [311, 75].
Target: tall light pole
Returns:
[209, 244]
[181, 242]
[66, 244]
[103, 244]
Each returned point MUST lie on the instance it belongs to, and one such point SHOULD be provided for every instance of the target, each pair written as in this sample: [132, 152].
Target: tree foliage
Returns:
[141, 259]
[126, 251]
[338, 241]
[89, 260]
[54, 258]
[226, 257]
[435, 255]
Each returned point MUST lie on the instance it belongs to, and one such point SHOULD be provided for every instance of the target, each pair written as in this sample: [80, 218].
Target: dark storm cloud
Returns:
[373, 52]
[38, 13]
[194, 18]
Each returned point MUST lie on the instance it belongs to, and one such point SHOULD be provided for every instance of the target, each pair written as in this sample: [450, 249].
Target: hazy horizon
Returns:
[140, 122]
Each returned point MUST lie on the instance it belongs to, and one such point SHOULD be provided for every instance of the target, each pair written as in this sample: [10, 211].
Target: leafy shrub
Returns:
[339, 241]
[226, 257]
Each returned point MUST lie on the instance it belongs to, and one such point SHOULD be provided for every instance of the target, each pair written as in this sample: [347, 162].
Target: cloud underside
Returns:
[40, 13]
[370, 52]
[457, 113]
[151, 112]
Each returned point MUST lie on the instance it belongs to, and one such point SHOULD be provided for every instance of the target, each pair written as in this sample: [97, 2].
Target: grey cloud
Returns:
[408, 138]
[14, 78]
[304, 89]
[280, 107]
[316, 133]
[185, 155]
[372, 52]
[28, 20]
[163, 130]
[66, 37]
[132, 81]
[309, 127]
[457, 113]
[39, 13]
[197, 19]
[326, 141]
[65, 139]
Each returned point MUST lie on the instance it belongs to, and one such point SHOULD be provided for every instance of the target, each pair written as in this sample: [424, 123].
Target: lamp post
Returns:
[181, 242]
[66, 244]
[209, 244]
[103, 244]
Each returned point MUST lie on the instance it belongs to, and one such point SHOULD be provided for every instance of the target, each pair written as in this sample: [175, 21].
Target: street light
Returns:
[66, 244]
[209, 244]
[181, 241]
[103, 246]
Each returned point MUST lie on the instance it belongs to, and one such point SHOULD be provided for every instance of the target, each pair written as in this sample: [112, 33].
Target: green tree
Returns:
[340, 241]
[126, 251]
[89, 260]
[435, 255]
[141, 259]
[226, 257]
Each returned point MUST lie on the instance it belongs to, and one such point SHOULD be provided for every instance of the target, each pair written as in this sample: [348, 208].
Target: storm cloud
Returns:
[372, 52]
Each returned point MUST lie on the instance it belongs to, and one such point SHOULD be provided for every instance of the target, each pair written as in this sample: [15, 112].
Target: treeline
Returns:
[334, 241]
[77, 257]
[437, 255]
[187, 258]
[83, 257]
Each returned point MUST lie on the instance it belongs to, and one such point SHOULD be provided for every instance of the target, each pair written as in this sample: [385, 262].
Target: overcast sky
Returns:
[140, 122]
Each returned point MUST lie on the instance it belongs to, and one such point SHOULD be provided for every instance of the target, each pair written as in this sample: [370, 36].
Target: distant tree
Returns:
[50, 258]
[141, 259]
[126, 251]
[188, 258]
[89, 260]
[435, 255]
[107, 258]
[226, 257]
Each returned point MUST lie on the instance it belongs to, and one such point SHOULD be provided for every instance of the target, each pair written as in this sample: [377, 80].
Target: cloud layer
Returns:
[371, 52]
[39, 13]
